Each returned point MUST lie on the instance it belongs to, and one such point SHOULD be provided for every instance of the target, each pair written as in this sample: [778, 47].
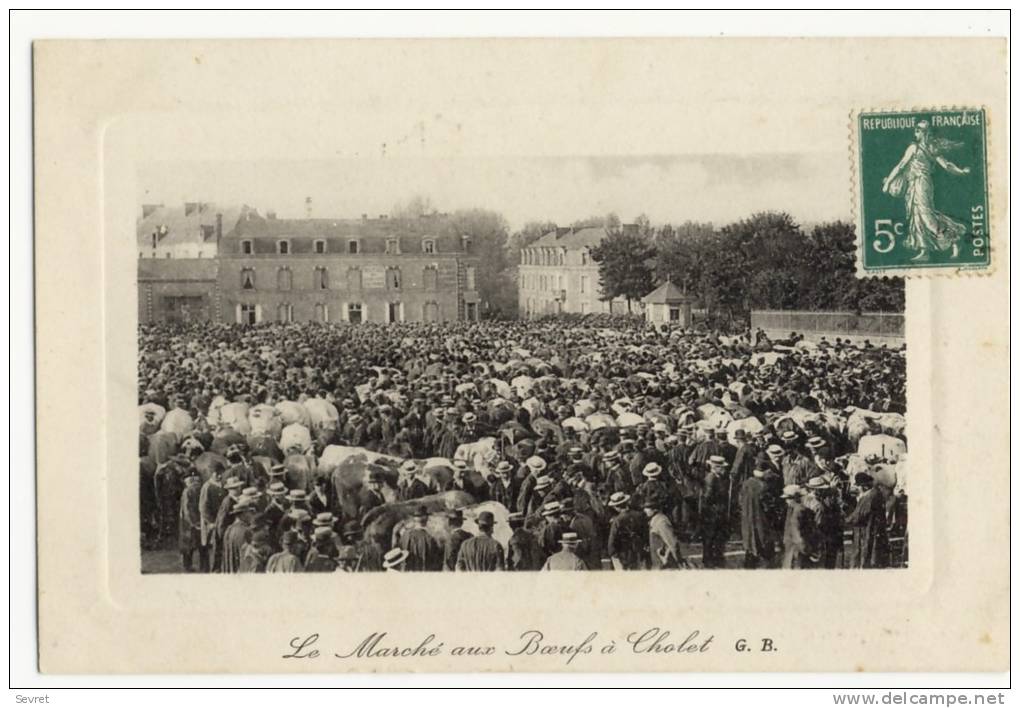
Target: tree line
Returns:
[766, 261]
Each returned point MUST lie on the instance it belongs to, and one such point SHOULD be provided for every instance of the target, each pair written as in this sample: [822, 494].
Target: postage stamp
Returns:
[922, 191]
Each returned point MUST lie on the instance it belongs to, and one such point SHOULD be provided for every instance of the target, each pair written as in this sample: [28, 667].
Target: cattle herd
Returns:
[600, 443]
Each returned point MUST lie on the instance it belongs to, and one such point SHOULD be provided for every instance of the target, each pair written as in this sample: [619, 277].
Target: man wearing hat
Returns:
[757, 530]
[371, 495]
[276, 509]
[616, 478]
[540, 494]
[321, 557]
[566, 558]
[189, 525]
[233, 487]
[423, 551]
[627, 545]
[256, 553]
[536, 467]
[419, 482]
[395, 560]
[368, 552]
[870, 545]
[504, 487]
[237, 534]
[823, 500]
[523, 550]
[210, 498]
[715, 514]
[655, 485]
[482, 552]
[287, 560]
[457, 537]
[797, 467]
[800, 533]
[547, 526]
[663, 548]
[590, 549]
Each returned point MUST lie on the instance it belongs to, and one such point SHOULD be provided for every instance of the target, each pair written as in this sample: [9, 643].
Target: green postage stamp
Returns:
[922, 191]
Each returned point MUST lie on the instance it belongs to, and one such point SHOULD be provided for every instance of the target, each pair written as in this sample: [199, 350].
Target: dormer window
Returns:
[283, 247]
[320, 245]
[353, 246]
[428, 245]
[247, 247]
[584, 256]
[392, 246]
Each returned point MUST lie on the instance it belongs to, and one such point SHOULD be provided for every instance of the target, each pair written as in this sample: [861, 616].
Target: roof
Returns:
[664, 294]
[574, 238]
[189, 223]
[187, 269]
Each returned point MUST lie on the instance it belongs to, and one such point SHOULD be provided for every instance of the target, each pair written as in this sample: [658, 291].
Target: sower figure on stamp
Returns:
[927, 228]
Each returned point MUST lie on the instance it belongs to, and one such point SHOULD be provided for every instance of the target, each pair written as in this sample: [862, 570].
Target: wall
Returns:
[448, 295]
[877, 327]
[160, 281]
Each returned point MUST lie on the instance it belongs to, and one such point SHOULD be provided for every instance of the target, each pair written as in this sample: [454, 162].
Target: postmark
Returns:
[921, 188]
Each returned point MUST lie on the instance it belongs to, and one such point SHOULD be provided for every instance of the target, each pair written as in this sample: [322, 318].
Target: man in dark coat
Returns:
[715, 513]
[190, 523]
[424, 553]
[627, 546]
[523, 549]
[504, 487]
[799, 536]
[870, 546]
[755, 528]
[210, 498]
[455, 540]
[482, 552]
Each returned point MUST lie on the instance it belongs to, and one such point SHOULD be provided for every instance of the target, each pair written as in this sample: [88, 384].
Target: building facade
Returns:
[326, 270]
[267, 269]
[558, 275]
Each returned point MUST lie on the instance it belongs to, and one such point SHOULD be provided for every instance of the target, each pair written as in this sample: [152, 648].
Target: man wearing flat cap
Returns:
[482, 552]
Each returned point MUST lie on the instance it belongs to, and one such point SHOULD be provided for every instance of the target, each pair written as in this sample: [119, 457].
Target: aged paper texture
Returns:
[110, 113]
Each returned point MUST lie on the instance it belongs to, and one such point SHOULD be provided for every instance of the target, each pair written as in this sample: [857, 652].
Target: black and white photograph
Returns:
[476, 380]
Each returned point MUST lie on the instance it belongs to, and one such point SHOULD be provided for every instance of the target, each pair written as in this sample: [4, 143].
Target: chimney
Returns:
[383, 217]
[364, 217]
[271, 214]
[308, 207]
[219, 227]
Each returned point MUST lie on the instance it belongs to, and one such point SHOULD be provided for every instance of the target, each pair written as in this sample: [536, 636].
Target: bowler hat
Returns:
[486, 519]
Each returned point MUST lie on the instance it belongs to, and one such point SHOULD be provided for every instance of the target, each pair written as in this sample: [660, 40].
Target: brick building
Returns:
[557, 274]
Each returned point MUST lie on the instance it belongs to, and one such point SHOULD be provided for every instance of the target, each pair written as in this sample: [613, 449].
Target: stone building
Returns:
[557, 275]
[668, 303]
[253, 268]
[346, 270]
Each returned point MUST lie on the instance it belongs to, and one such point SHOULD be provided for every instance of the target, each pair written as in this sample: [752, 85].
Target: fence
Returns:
[879, 327]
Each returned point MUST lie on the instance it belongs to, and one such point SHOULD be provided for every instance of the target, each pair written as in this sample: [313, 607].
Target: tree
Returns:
[624, 270]
[489, 233]
[417, 206]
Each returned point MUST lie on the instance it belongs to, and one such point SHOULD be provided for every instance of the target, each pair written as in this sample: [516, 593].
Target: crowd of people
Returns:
[600, 444]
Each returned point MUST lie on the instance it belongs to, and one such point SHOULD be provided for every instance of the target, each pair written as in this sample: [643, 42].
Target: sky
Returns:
[717, 188]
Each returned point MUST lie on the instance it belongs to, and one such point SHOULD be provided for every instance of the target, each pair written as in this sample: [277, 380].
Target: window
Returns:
[430, 312]
[392, 246]
[283, 279]
[247, 247]
[354, 313]
[430, 277]
[393, 278]
[169, 255]
[584, 284]
[247, 314]
[584, 256]
[469, 277]
[284, 312]
[562, 256]
[428, 245]
[321, 312]
[584, 308]
[247, 278]
[354, 278]
[353, 247]
[465, 241]
[283, 247]
[394, 312]
[320, 280]
[320, 245]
